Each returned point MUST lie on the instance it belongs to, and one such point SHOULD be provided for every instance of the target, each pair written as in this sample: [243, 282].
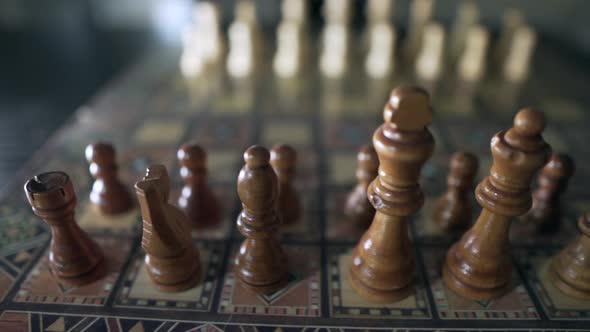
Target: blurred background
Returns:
[57, 54]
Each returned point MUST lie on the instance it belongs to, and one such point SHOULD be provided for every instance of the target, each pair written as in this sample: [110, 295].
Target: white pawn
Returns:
[517, 63]
[290, 49]
[334, 57]
[379, 11]
[379, 62]
[244, 41]
[471, 66]
[429, 62]
[337, 12]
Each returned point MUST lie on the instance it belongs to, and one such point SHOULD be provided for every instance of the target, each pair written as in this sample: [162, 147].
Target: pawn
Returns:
[283, 159]
[108, 193]
[260, 263]
[74, 257]
[171, 260]
[570, 269]
[196, 200]
[358, 207]
[546, 211]
[453, 209]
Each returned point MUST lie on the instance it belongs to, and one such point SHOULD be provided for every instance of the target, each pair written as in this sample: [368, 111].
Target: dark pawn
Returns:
[570, 269]
[108, 193]
[552, 181]
[358, 207]
[453, 209]
[196, 200]
[283, 159]
[73, 256]
[260, 263]
[171, 260]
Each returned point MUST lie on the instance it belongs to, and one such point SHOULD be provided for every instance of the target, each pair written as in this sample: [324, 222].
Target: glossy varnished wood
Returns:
[383, 266]
[452, 211]
[260, 263]
[73, 256]
[283, 159]
[570, 269]
[479, 266]
[108, 193]
[358, 208]
[552, 182]
[171, 260]
[196, 199]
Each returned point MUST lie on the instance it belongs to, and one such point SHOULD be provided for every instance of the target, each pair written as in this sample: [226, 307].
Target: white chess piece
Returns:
[517, 64]
[429, 62]
[471, 66]
[380, 61]
[333, 60]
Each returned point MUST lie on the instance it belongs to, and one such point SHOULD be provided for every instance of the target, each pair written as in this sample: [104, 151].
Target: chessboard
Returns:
[153, 108]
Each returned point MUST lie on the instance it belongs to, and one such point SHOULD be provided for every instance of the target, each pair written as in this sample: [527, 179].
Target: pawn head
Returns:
[100, 153]
[559, 165]
[256, 157]
[368, 156]
[529, 122]
[408, 108]
[464, 162]
[191, 153]
[283, 154]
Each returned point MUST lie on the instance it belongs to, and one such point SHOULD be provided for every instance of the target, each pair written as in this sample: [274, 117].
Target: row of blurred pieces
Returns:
[426, 48]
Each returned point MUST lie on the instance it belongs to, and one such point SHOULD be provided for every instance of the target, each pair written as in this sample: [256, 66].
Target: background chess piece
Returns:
[171, 260]
[260, 263]
[74, 257]
[383, 267]
[196, 199]
[570, 269]
[283, 159]
[546, 211]
[479, 266]
[358, 207]
[108, 193]
[452, 211]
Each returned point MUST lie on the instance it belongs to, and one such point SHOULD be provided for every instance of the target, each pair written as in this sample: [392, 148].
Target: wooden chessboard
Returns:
[152, 109]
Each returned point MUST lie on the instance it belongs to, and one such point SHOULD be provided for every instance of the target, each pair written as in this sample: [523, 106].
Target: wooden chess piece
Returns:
[73, 256]
[479, 266]
[283, 159]
[196, 199]
[452, 211]
[171, 260]
[108, 193]
[260, 264]
[358, 207]
[552, 180]
[383, 267]
[570, 269]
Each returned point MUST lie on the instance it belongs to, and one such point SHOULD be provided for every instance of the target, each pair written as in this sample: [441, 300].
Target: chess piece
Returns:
[472, 63]
[383, 264]
[283, 159]
[358, 207]
[570, 269]
[430, 60]
[74, 257]
[479, 266]
[380, 60]
[245, 43]
[452, 211]
[108, 193]
[511, 20]
[337, 12]
[171, 260]
[196, 199]
[290, 57]
[335, 50]
[517, 63]
[420, 13]
[552, 180]
[260, 263]
[379, 11]
[294, 11]
[467, 17]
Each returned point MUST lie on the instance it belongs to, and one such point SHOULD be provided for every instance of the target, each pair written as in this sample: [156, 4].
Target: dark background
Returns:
[56, 54]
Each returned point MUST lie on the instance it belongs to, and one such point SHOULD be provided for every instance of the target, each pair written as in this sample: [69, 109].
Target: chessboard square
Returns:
[300, 297]
[93, 221]
[516, 304]
[342, 168]
[287, 132]
[160, 132]
[40, 286]
[6, 282]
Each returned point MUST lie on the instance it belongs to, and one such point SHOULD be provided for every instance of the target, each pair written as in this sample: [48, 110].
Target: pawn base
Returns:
[472, 292]
[181, 286]
[566, 287]
[96, 273]
[265, 289]
[380, 296]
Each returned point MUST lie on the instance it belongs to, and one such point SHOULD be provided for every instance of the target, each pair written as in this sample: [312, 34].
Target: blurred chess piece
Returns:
[570, 269]
[429, 64]
[283, 159]
[511, 21]
[245, 43]
[358, 207]
[518, 60]
[420, 15]
[335, 50]
[379, 11]
[467, 17]
[337, 12]
[380, 60]
[202, 39]
[472, 63]
[294, 11]
[290, 57]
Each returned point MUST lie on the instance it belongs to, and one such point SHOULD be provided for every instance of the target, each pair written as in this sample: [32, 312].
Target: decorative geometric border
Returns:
[422, 312]
[209, 283]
